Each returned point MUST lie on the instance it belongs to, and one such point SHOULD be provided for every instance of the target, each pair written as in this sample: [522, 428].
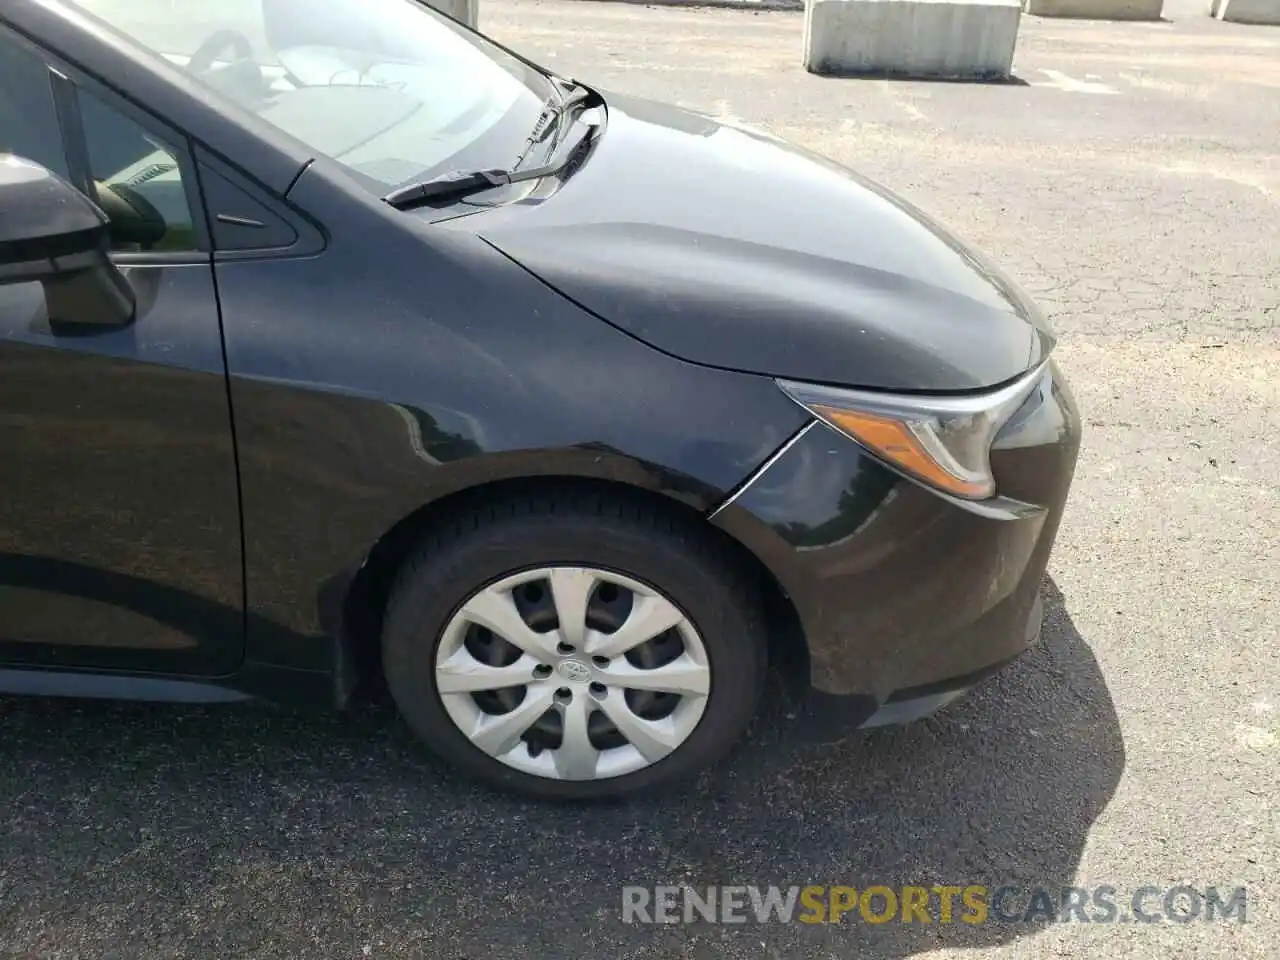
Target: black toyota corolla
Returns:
[339, 343]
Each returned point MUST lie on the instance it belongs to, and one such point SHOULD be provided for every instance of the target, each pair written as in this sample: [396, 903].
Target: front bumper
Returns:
[913, 703]
[904, 596]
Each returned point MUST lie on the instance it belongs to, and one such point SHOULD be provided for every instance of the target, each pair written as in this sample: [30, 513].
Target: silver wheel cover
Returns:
[610, 678]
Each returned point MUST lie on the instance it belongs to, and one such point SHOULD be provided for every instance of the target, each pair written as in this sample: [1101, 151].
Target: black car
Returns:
[338, 342]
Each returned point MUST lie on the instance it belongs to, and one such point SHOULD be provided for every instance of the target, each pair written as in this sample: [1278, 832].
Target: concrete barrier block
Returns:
[960, 39]
[1249, 11]
[1096, 9]
[467, 11]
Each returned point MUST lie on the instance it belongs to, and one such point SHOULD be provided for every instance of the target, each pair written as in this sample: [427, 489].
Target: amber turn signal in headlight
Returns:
[942, 441]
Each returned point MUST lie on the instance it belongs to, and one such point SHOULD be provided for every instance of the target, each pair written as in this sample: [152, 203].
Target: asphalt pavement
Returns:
[1130, 178]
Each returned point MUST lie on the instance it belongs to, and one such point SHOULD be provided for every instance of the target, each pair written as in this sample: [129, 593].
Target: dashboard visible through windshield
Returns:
[391, 89]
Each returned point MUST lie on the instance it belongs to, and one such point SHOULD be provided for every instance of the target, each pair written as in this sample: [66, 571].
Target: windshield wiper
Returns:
[548, 118]
[462, 183]
[554, 109]
[579, 94]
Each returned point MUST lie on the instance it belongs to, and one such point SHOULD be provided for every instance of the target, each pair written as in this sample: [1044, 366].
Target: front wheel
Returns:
[574, 647]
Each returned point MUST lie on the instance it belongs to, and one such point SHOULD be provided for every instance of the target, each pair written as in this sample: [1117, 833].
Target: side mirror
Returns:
[52, 234]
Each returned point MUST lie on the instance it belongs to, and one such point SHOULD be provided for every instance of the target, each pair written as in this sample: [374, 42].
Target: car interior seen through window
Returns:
[135, 175]
[137, 180]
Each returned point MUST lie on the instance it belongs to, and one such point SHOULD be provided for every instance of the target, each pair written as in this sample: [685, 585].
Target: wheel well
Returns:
[371, 587]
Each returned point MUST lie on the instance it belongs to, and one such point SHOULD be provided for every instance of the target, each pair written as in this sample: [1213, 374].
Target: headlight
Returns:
[943, 441]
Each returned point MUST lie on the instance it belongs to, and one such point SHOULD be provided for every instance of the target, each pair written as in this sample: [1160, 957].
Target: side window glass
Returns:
[138, 180]
[28, 120]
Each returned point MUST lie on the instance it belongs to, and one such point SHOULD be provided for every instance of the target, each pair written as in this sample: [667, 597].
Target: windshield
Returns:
[389, 88]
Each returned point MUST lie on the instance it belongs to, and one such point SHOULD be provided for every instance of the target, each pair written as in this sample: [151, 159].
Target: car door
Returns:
[120, 538]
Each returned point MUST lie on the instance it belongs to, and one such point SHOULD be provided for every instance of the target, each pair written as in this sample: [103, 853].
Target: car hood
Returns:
[729, 248]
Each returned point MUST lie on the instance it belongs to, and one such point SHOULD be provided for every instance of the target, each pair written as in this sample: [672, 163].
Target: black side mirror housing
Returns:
[52, 234]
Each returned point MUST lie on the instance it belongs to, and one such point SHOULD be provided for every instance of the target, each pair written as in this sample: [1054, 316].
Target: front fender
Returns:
[376, 377]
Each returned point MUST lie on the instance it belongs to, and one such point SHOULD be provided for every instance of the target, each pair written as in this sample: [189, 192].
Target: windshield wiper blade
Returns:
[462, 183]
[447, 186]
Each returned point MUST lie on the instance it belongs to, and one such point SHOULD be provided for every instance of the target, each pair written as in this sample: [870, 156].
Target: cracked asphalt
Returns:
[1131, 180]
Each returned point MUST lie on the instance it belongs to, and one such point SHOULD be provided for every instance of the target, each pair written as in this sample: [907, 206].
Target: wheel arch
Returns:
[359, 656]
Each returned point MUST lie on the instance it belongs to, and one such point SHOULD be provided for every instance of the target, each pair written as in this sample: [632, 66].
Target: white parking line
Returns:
[906, 106]
[1060, 81]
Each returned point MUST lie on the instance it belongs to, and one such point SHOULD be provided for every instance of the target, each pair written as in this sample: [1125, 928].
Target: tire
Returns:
[631, 550]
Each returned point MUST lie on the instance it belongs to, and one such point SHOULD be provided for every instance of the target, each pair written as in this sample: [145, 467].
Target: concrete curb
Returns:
[1262, 12]
[790, 6]
[1095, 9]
[933, 39]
